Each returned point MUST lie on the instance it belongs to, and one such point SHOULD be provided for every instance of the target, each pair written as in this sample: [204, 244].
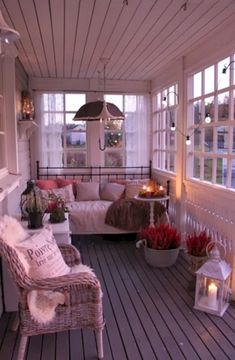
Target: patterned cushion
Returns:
[43, 255]
[66, 193]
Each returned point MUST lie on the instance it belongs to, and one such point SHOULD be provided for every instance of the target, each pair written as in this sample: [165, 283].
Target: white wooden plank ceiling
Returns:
[67, 38]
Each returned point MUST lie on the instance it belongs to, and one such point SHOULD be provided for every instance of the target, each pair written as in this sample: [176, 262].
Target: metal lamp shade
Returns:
[97, 110]
[7, 33]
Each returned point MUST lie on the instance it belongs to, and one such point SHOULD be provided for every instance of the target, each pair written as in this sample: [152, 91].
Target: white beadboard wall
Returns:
[10, 205]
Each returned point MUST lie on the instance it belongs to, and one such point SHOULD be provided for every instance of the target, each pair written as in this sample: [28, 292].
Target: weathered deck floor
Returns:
[148, 312]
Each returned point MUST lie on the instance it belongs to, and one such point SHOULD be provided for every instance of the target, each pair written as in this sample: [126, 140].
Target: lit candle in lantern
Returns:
[161, 188]
[212, 295]
[144, 188]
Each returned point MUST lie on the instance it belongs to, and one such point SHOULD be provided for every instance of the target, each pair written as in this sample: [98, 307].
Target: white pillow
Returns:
[43, 255]
[66, 193]
[88, 191]
[111, 191]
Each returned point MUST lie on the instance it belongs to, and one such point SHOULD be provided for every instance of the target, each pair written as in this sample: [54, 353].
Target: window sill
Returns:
[8, 183]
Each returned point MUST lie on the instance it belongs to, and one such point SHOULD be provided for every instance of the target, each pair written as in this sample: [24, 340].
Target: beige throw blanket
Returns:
[132, 215]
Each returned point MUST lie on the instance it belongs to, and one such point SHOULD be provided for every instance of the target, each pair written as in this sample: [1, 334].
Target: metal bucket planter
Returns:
[160, 258]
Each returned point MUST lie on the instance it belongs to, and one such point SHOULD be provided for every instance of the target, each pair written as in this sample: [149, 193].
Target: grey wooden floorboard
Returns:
[156, 293]
[148, 312]
[48, 346]
[76, 345]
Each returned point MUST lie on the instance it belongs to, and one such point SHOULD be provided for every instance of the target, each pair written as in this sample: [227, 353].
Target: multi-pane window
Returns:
[63, 140]
[114, 135]
[211, 155]
[126, 141]
[165, 119]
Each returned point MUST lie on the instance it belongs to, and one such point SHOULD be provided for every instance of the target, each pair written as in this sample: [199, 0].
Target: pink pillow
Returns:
[47, 184]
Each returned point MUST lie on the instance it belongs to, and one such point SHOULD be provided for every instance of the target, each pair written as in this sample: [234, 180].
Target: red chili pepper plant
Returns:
[197, 244]
[161, 237]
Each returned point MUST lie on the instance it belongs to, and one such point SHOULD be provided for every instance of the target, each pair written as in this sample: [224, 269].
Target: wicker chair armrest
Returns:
[70, 254]
[65, 282]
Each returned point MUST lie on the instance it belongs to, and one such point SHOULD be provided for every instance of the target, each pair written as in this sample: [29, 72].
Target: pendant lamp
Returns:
[7, 34]
[99, 110]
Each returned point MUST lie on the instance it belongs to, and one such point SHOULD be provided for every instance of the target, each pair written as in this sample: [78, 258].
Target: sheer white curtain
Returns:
[49, 110]
[137, 129]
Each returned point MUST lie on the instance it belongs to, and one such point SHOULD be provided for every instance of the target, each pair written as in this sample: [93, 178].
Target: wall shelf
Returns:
[26, 128]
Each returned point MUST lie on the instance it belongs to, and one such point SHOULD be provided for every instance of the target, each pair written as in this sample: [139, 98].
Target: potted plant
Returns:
[161, 245]
[197, 248]
[35, 206]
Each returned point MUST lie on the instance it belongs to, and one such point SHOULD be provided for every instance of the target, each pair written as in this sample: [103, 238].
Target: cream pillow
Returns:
[111, 191]
[66, 193]
[88, 191]
[43, 255]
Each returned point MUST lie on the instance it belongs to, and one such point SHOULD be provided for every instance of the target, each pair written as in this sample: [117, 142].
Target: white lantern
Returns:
[213, 284]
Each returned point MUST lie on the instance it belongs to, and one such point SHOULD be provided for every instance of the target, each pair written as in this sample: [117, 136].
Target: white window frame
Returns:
[164, 113]
[201, 153]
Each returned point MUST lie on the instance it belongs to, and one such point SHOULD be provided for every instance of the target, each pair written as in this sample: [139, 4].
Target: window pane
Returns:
[197, 111]
[53, 102]
[209, 79]
[75, 125]
[116, 100]
[208, 143]
[233, 148]
[196, 168]
[130, 103]
[197, 84]
[113, 139]
[113, 158]
[76, 139]
[113, 125]
[197, 140]
[208, 169]
[223, 79]
[73, 102]
[172, 162]
[209, 107]
[75, 159]
[221, 171]
[223, 106]
[233, 174]
[53, 120]
[222, 139]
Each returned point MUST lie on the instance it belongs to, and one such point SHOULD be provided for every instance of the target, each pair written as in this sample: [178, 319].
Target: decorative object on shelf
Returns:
[27, 106]
[196, 245]
[152, 190]
[7, 34]
[99, 110]
[34, 205]
[213, 283]
[161, 245]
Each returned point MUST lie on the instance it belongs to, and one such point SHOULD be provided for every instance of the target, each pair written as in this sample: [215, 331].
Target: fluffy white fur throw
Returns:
[42, 303]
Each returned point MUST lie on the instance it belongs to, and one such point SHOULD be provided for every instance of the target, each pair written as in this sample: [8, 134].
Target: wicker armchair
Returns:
[83, 301]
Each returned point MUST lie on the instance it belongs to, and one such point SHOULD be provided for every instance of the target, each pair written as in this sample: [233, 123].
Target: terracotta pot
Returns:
[160, 258]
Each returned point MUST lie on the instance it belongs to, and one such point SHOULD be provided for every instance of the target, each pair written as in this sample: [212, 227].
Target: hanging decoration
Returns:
[99, 110]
